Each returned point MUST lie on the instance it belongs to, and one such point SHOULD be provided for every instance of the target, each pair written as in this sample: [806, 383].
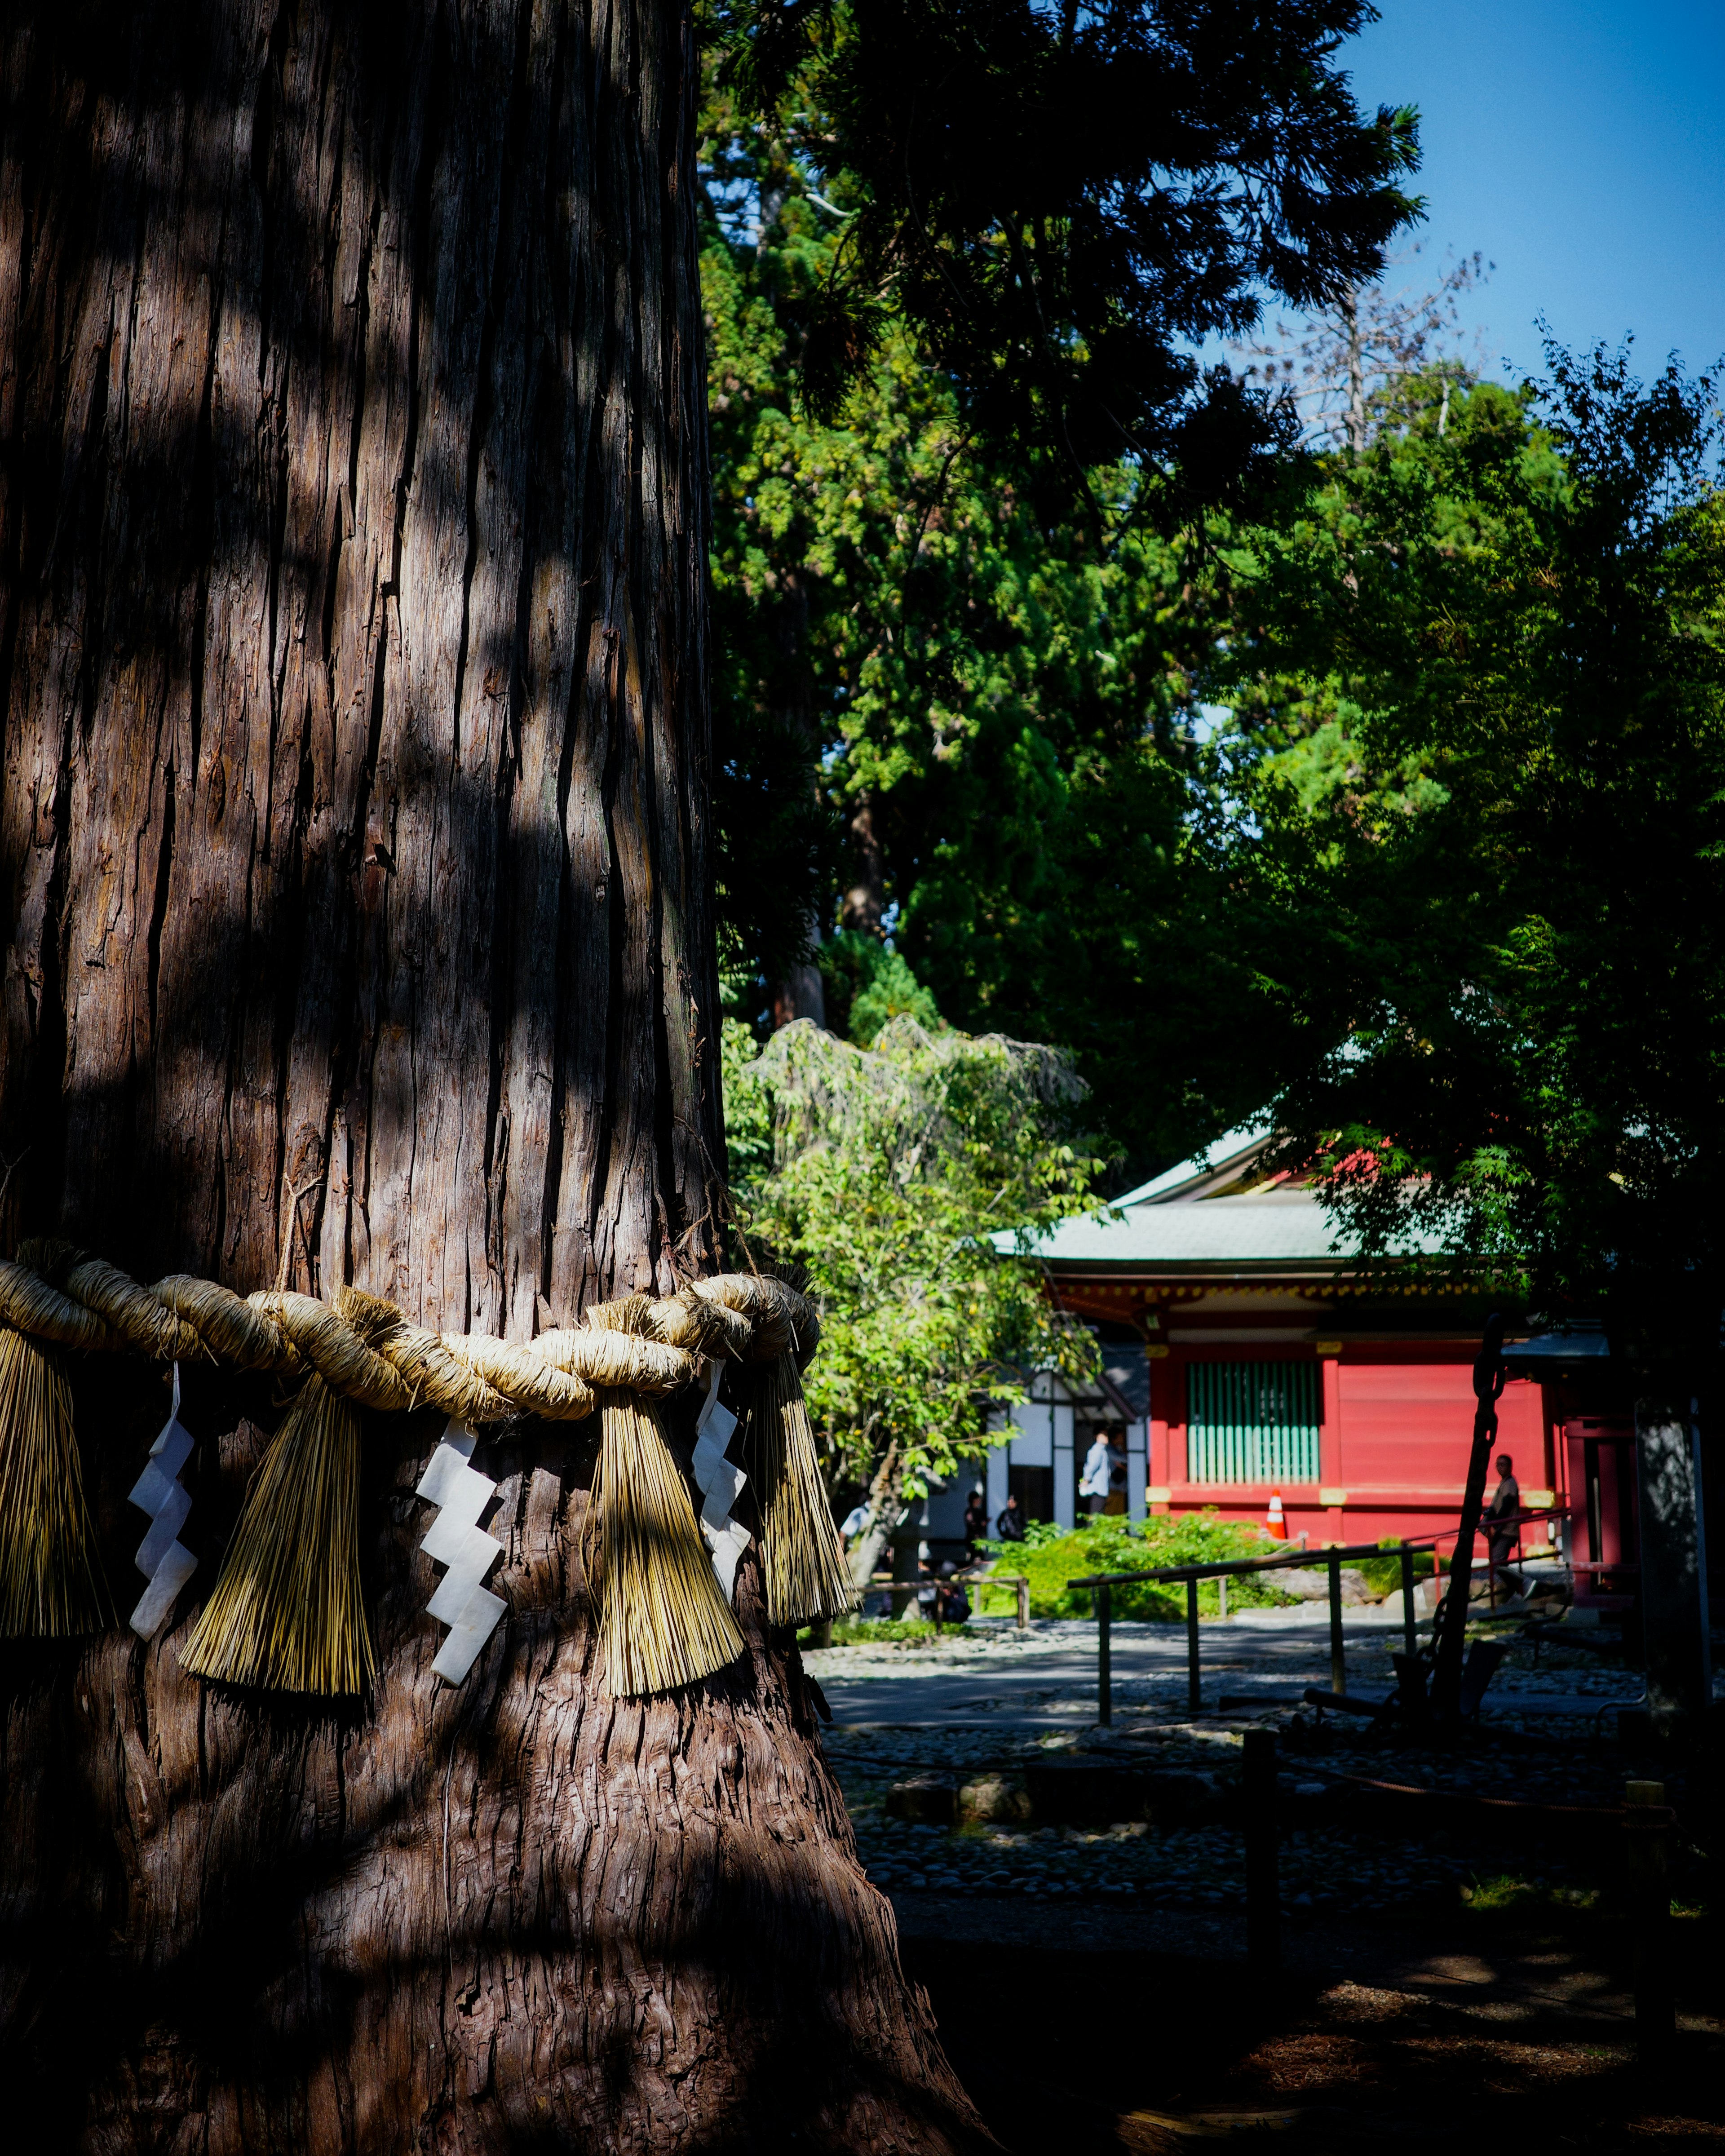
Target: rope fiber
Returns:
[286, 1611]
[365, 1350]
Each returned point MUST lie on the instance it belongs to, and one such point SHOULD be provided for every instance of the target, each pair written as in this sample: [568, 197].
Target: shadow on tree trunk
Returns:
[355, 851]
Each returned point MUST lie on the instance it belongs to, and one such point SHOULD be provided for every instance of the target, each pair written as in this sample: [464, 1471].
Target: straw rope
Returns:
[663, 1620]
[806, 1577]
[286, 1612]
[51, 1582]
[366, 1351]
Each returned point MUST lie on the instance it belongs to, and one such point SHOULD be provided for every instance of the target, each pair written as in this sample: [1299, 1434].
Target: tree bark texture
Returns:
[353, 703]
[1676, 1629]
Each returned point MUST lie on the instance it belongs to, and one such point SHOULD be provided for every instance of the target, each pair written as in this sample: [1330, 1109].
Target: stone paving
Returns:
[992, 1700]
[990, 1672]
[1433, 1977]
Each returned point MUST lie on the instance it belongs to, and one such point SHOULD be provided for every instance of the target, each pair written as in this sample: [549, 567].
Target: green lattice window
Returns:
[1252, 1422]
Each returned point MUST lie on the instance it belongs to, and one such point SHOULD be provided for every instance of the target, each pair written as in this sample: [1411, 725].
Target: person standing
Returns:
[1096, 1465]
[1010, 1525]
[1502, 1516]
[976, 1524]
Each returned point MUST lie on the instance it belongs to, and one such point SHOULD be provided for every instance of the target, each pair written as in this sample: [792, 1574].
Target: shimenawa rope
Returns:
[286, 1611]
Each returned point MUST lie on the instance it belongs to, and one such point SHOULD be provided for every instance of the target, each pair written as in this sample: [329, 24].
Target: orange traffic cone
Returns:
[1275, 1527]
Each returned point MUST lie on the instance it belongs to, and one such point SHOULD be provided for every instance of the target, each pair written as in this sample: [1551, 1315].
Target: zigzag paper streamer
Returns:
[163, 1559]
[462, 1601]
[719, 1483]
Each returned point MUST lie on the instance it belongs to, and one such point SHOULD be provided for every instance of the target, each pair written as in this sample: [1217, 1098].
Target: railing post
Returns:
[1338, 1662]
[1104, 1689]
[1262, 1883]
[1646, 1848]
[1193, 1698]
[1222, 1597]
[1410, 1630]
[1024, 1588]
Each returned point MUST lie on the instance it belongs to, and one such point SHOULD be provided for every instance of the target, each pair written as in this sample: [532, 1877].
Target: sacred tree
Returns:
[405, 1518]
[360, 937]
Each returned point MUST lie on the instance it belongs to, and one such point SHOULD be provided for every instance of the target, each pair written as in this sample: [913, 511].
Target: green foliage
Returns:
[879, 1632]
[1505, 890]
[868, 984]
[885, 1173]
[1000, 709]
[1509, 1892]
[1106, 1543]
[1060, 203]
[1383, 1574]
[1037, 1534]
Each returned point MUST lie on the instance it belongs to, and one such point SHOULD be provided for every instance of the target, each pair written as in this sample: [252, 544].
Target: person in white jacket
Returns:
[1097, 1461]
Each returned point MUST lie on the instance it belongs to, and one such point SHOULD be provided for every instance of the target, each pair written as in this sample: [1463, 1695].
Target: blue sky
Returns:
[1579, 144]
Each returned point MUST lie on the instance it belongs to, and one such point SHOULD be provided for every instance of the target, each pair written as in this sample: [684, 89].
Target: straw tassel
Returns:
[807, 1578]
[286, 1611]
[51, 1580]
[663, 1621]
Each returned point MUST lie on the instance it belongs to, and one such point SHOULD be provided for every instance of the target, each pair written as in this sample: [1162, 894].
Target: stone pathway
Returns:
[992, 1673]
[992, 1700]
[1437, 1974]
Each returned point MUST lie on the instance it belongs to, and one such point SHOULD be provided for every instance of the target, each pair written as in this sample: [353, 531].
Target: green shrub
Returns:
[1048, 1558]
[1383, 1574]
[875, 1631]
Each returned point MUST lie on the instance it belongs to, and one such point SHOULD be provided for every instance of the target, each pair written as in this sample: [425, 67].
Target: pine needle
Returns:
[51, 1580]
[287, 1611]
[663, 1621]
[807, 1578]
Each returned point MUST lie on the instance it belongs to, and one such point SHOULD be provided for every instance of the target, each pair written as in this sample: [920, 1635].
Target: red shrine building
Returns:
[1245, 1356]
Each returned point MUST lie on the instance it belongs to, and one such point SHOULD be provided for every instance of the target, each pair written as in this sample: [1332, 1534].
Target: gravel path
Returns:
[992, 1700]
[991, 1673]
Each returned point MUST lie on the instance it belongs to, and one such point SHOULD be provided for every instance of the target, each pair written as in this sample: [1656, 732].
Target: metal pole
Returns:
[1194, 1701]
[1338, 1660]
[1263, 1886]
[1452, 1632]
[1649, 1917]
[1104, 1689]
[1409, 1629]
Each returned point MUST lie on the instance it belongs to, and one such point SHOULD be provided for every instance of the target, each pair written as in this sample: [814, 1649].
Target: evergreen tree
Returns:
[958, 667]
[1483, 765]
[1486, 819]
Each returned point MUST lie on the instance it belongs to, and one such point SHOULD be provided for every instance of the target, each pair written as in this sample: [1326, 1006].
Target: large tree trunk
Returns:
[1675, 1631]
[352, 688]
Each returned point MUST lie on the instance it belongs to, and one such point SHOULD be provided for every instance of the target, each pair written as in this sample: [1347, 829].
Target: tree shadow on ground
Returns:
[1088, 2051]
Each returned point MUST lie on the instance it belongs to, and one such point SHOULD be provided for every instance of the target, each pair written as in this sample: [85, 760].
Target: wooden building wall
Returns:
[1395, 1428]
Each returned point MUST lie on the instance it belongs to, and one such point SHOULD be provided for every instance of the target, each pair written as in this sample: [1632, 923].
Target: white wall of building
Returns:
[1042, 1436]
[1065, 1478]
[1138, 1467]
[1033, 1434]
[996, 1475]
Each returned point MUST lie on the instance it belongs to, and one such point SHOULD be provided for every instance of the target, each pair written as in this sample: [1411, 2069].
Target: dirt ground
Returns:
[1447, 1973]
[1509, 2034]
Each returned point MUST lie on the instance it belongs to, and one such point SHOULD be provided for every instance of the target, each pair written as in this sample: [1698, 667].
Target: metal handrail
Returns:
[1101, 1584]
[1323, 1555]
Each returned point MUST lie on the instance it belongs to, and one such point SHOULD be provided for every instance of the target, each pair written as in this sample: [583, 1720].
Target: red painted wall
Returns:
[1396, 1434]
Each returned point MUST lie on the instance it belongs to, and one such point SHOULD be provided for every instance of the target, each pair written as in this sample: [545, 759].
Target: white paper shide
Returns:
[164, 1560]
[462, 1601]
[719, 1483]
